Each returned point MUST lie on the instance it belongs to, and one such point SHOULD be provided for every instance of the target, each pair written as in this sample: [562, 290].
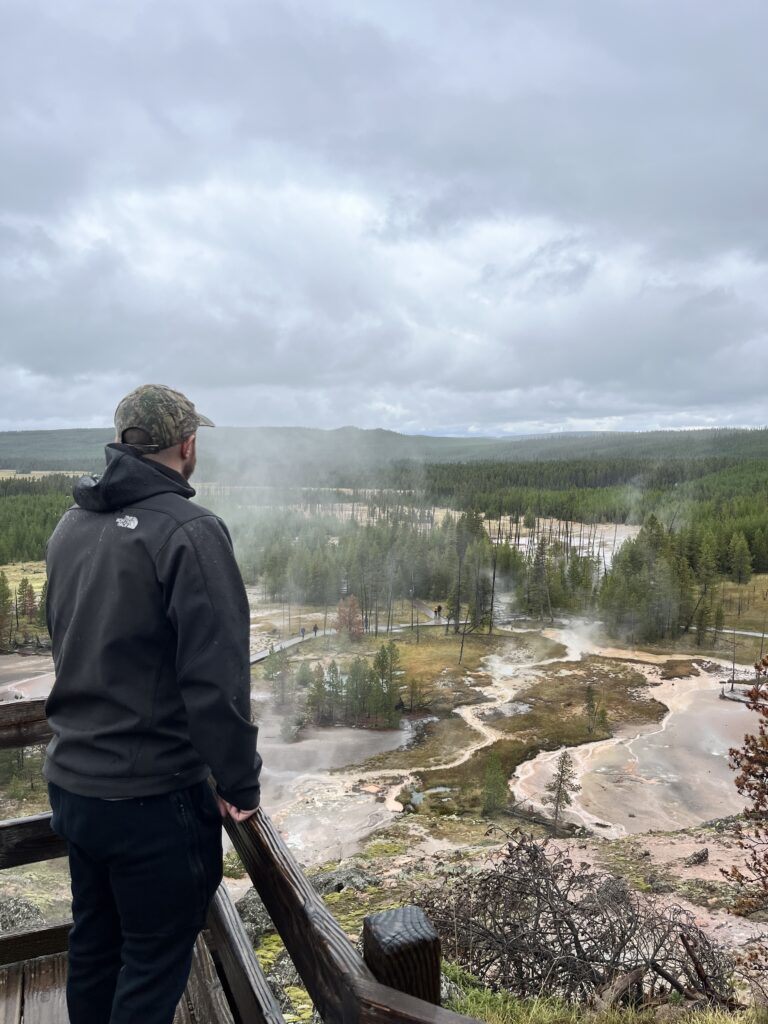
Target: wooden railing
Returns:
[398, 979]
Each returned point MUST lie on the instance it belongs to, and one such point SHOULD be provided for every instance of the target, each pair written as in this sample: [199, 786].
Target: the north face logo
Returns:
[129, 522]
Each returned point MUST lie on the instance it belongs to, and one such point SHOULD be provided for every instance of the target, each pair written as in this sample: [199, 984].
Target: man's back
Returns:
[149, 623]
[148, 614]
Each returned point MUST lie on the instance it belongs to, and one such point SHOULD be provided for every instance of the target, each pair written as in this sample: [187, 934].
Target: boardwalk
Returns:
[35, 992]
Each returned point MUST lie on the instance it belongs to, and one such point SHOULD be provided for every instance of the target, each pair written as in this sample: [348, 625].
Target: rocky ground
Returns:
[395, 864]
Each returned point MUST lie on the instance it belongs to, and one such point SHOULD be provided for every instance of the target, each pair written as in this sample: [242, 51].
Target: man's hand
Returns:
[234, 813]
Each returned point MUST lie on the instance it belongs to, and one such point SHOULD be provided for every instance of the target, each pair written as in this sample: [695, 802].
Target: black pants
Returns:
[143, 874]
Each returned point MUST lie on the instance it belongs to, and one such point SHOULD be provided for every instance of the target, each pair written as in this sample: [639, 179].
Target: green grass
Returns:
[433, 663]
[679, 668]
[623, 858]
[16, 571]
[349, 908]
[384, 848]
[502, 1008]
[746, 605]
[45, 884]
[439, 743]
[619, 687]
[747, 649]
[23, 790]
[475, 1000]
[233, 866]
[35, 573]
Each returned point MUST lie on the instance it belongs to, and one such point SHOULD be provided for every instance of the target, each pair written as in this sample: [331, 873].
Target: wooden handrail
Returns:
[28, 840]
[339, 983]
[321, 952]
[22, 723]
[26, 945]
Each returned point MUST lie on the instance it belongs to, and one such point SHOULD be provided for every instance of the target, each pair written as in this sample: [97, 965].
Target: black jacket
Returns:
[150, 628]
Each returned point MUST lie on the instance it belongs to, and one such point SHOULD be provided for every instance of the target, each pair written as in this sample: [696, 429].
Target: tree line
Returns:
[663, 583]
[318, 560]
[29, 511]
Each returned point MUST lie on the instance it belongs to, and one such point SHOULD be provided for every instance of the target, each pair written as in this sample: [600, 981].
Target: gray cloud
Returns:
[452, 216]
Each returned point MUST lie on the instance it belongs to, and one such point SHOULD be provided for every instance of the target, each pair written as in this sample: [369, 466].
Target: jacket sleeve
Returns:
[206, 603]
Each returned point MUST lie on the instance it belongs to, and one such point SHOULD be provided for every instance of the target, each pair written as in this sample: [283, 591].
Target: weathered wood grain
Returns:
[253, 998]
[11, 987]
[18, 946]
[206, 996]
[402, 949]
[27, 840]
[45, 981]
[22, 723]
[378, 1004]
[183, 1014]
[322, 953]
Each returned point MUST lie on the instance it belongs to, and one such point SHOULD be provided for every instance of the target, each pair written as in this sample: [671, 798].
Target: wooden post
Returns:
[402, 949]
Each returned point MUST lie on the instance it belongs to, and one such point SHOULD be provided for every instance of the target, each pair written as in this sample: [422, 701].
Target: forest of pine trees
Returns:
[704, 519]
[22, 612]
[364, 693]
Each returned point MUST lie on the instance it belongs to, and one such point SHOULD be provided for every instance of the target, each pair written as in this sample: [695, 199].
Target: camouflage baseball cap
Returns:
[165, 415]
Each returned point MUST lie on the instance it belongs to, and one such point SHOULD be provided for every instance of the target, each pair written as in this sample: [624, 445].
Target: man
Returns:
[150, 628]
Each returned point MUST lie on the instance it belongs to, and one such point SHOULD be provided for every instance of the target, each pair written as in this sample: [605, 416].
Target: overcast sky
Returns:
[441, 216]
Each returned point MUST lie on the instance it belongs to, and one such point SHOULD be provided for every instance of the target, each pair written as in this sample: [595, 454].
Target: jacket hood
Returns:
[127, 479]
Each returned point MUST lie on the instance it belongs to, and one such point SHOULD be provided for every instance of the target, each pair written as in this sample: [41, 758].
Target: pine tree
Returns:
[41, 613]
[703, 621]
[560, 790]
[358, 692]
[334, 689]
[386, 664]
[739, 558]
[317, 698]
[6, 612]
[276, 670]
[304, 676]
[719, 620]
[591, 709]
[21, 595]
[23, 598]
[495, 787]
[538, 587]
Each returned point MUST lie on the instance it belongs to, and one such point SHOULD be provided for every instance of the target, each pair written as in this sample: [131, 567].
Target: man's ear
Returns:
[187, 446]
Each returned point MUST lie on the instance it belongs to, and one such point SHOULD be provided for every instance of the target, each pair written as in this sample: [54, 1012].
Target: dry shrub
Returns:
[537, 924]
